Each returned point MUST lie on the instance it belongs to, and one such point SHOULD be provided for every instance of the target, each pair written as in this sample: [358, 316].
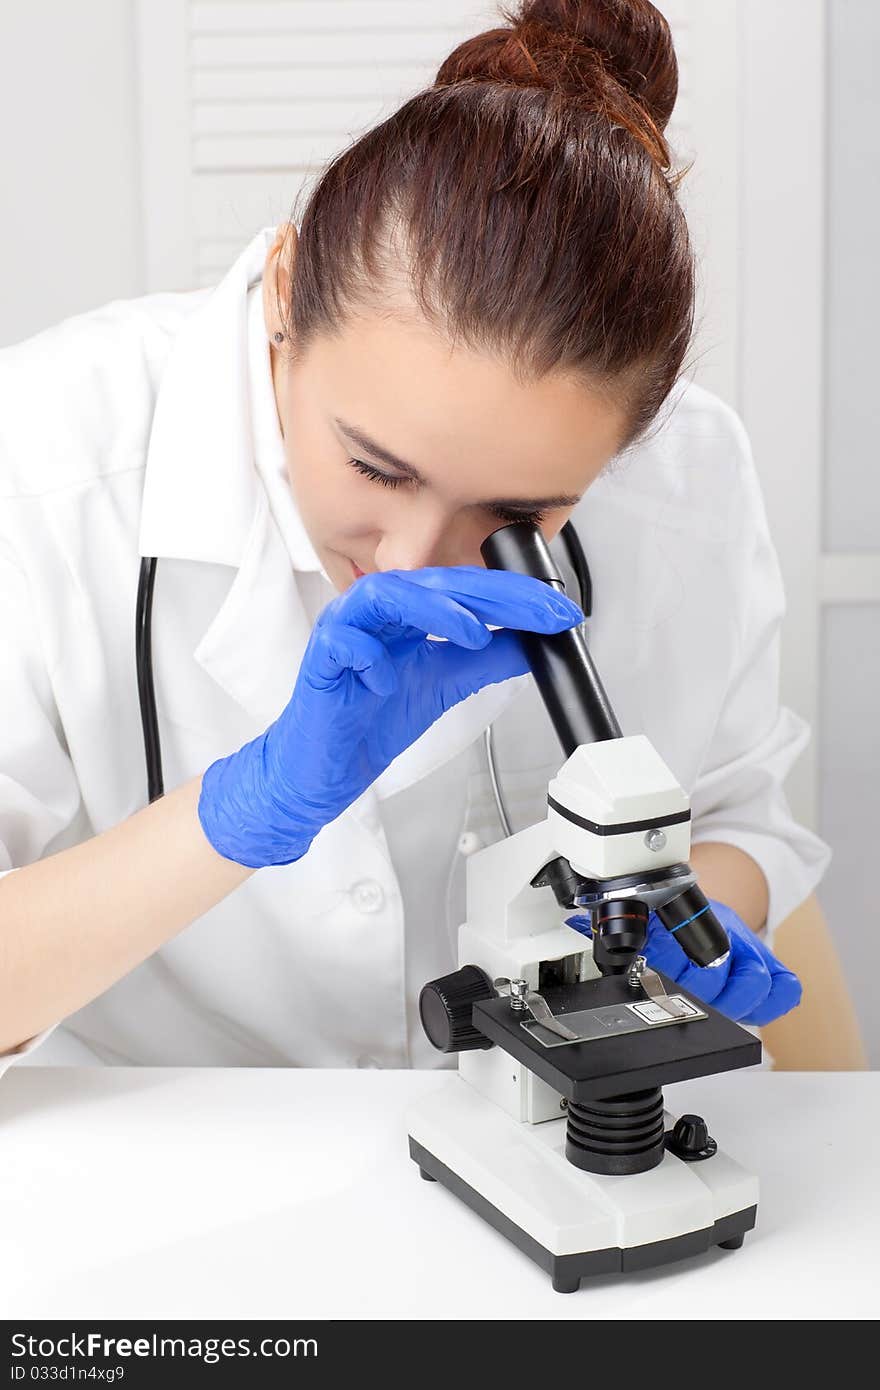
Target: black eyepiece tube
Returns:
[561, 663]
[690, 919]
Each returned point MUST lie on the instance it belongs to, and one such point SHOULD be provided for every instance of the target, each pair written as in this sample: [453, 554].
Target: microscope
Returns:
[553, 1127]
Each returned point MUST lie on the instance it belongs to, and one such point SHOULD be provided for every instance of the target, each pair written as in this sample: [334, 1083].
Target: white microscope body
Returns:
[497, 1132]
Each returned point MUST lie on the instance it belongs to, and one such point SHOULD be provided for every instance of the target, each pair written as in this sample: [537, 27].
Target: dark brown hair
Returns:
[526, 203]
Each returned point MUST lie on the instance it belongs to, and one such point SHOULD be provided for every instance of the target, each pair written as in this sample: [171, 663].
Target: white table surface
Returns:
[239, 1193]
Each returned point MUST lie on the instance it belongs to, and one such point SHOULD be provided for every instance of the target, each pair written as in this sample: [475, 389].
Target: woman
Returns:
[487, 305]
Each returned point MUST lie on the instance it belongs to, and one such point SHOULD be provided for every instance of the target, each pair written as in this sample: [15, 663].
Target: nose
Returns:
[416, 542]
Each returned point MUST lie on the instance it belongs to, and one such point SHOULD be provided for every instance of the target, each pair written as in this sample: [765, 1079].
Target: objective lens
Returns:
[690, 919]
[619, 931]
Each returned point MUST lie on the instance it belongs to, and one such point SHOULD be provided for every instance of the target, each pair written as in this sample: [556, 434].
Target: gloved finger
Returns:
[785, 995]
[662, 951]
[338, 649]
[402, 646]
[447, 674]
[748, 981]
[707, 982]
[499, 597]
[379, 601]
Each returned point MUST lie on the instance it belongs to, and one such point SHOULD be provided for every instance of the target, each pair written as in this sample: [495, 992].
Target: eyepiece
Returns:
[561, 664]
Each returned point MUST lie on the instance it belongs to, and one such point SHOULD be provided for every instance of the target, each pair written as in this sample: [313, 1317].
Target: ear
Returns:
[278, 278]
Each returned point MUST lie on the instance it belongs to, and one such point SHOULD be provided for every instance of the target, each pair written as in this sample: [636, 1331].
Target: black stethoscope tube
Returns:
[146, 692]
[144, 649]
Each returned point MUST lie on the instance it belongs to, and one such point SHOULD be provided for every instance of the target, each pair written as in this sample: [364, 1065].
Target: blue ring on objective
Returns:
[673, 930]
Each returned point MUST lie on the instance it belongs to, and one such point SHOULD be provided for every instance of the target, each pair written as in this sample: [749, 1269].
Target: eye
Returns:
[392, 480]
[376, 474]
[533, 518]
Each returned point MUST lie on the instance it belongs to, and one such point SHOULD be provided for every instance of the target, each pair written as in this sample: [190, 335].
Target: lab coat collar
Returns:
[254, 645]
[213, 489]
[213, 411]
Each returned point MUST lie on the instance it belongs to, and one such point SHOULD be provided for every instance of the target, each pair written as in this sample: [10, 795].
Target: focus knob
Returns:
[690, 1139]
[445, 1009]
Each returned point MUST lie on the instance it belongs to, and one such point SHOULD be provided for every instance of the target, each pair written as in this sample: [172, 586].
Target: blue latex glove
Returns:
[751, 986]
[370, 683]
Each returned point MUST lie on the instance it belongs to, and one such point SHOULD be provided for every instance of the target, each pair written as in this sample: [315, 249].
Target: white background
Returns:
[145, 141]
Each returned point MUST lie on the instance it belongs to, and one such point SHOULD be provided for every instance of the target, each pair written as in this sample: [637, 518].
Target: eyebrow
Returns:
[363, 441]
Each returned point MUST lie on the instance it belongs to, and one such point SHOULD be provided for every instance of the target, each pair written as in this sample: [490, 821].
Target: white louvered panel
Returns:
[279, 118]
[241, 87]
[375, 80]
[283, 135]
[229, 208]
[333, 16]
[240, 16]
[354, 48]
[267, 152]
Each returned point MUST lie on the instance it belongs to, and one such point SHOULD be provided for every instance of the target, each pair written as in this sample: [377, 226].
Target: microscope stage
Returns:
[618, 1064]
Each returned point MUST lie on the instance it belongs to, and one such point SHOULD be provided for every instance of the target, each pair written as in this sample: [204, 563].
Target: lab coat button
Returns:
[468, 843]
[368, 895]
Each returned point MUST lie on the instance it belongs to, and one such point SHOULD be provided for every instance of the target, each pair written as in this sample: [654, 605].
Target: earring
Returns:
[279, 337]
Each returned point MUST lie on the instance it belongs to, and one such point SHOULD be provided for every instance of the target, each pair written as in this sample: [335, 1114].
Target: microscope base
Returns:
[572, 1223]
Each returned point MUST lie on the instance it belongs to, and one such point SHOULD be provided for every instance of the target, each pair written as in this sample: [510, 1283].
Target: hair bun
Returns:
[578, 47]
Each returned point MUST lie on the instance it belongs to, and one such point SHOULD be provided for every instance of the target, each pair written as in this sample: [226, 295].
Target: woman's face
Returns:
[404, 452]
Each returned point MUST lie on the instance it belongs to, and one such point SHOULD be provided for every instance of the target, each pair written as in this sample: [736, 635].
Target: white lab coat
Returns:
[148, 427]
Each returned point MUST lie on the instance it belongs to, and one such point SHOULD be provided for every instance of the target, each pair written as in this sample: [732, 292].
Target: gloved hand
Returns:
[370, 682]
[751, 986]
